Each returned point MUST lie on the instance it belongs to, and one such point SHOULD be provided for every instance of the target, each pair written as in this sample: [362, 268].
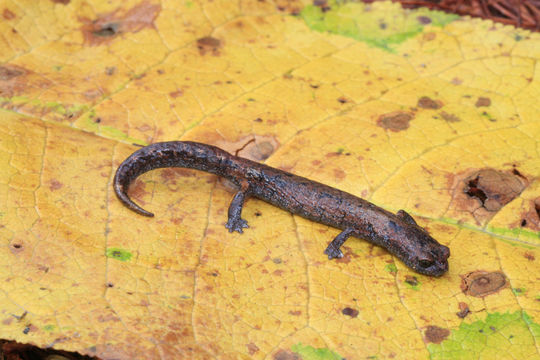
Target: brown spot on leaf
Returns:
[137, 189]
[175, 94]
[449, 117]
[208, 44]
[292, 7]
[494, 188]
[295, 313]
[530, 217]
[257, 148]
[350, 312]
[286, 355]
[55, 185]
[429, 36]
[529, 256]
[170, 175]
[463, 310]
[107, 26]
[323, 4]
[457, 81]
[483, 283]
[8, 72]
[435, 334]
[252, 348]
[427, 103]
[8, 15]
[483, 101]
[342, 99]
[424, 20]
[262, 150]
[63, 2]
[333, 154]
[483, 192]
[348, 255]
[278, 272]
[15, 79]
[339, 174]
[395, 121]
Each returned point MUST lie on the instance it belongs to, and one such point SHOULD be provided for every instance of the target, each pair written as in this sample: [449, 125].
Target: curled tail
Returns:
[185, 154]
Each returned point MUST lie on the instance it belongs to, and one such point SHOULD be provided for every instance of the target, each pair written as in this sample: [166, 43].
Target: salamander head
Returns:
[416, 248]
[428, 256]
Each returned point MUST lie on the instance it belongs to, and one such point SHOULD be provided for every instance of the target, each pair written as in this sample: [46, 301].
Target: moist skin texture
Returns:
[397, 233]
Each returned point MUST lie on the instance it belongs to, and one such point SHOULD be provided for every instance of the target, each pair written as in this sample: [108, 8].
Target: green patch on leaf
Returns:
[515, 232]
[508, 335]
[90, 123]
[308, 352]
[519, 291]
[486, 115]
[391, 268]
[44, 107]
[119, 254]
[509, 236]
[48, 328]
[375, 24]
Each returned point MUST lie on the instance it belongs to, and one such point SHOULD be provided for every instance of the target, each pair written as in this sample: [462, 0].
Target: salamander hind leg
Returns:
[235, 222]
[333, 250]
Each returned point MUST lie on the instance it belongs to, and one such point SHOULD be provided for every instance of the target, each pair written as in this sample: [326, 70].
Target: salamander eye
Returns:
[425, 263]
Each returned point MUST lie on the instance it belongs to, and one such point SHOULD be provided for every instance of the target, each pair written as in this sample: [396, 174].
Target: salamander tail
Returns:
[183, 154]
[125, 174]
[122, 195]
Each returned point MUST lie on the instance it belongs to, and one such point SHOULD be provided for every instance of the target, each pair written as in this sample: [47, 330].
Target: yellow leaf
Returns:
[414, 110]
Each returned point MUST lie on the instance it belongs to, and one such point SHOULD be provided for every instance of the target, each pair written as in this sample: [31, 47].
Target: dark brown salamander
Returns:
[398, 233]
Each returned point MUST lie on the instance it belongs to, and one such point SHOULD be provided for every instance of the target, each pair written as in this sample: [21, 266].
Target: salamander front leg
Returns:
[333, 250]
[235, 222]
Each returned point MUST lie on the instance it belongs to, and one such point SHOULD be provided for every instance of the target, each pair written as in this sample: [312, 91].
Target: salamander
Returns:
[398, 233]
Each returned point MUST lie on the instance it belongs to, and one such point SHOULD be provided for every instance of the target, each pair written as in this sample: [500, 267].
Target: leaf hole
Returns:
[517, 173]
[107, 30]
[475, 191]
